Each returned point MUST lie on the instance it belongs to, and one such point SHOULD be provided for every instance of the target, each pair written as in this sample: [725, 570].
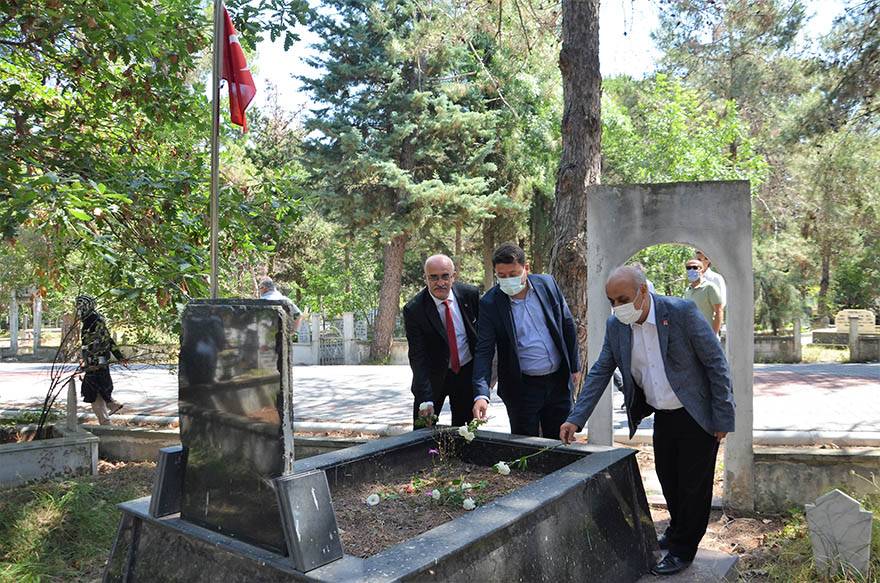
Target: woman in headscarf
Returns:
[97, 347]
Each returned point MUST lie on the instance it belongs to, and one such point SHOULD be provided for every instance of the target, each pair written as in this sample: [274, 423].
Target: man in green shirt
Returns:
[704, 294]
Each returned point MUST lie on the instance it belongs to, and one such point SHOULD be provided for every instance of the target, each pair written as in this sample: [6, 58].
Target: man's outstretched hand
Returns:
[481, 409]
[566, 432]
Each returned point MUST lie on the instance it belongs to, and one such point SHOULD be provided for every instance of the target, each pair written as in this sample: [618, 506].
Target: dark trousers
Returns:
[542, 406]
[97, 381]
[459, 388]
[684, 456]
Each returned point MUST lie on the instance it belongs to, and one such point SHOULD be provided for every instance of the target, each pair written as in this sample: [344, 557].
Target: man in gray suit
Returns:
[673, 366]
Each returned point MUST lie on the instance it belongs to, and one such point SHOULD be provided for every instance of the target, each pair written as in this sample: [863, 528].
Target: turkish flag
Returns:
[234, 69]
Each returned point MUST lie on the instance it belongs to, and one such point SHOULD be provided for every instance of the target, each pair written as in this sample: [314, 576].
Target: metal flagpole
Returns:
[215, 143]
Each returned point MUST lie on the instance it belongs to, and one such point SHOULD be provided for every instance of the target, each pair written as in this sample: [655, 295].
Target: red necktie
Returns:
[450, 337]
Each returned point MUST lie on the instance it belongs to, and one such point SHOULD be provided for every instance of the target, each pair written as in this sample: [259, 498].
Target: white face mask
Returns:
[627, 313]
[511, 285]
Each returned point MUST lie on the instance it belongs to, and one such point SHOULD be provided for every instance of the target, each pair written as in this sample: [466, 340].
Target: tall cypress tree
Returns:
[397, 145]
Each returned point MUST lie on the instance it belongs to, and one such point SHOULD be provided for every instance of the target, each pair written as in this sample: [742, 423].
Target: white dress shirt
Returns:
[464, 352]
[647, 364]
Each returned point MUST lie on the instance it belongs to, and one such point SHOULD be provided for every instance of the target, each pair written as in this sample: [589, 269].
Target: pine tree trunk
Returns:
[824, 282]
[488, 249]
[580, 161]
[389, 298]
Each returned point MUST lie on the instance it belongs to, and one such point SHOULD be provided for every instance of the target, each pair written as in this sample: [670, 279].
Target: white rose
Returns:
[435, 494]
[425, 406]
[468, 504]
[502, 468]
[468, 436]
[463, 430]
[372, 499]
[466, 486]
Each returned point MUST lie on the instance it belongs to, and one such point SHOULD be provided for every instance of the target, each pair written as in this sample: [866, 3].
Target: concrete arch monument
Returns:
[624, 219]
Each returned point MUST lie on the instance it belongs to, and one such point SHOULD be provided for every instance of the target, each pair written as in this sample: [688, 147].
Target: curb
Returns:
[382, 429]
[642, 436]
[778, 437]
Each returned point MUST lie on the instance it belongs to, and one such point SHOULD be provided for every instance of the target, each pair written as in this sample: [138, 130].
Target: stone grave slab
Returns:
[168, 485]
[840, 532]
[309, 520]
[236, 416]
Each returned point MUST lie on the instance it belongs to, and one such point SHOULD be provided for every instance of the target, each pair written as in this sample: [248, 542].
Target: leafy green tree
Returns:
[102, 122]
[856, 282]
[661, 131]
[735, 50]
[657, 130]
[396, 146]
[849, 70]
[840, 199]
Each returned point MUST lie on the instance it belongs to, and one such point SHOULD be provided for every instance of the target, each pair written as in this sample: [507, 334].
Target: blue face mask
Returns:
[511, 285]
[693, 275]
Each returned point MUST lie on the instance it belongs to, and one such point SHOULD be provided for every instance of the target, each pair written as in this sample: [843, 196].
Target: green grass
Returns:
[62, 531]
[27, 418]
[820, 353]
[790, 559]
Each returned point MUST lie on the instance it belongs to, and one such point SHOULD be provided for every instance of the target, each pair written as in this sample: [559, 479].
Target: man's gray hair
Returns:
[266, 283]
[633, 272]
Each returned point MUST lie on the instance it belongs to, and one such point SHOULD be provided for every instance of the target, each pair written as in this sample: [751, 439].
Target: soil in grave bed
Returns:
[406, 508]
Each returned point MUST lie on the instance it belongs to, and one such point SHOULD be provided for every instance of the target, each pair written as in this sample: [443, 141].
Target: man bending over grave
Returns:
[441, 332]
[673, 366]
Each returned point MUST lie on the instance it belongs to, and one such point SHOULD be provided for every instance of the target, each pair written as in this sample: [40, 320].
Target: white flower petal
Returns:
[468, 504]
[435, 494]
[373, 499]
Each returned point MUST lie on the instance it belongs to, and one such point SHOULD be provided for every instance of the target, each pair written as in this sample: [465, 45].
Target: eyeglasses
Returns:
[441, 277]
[690, 267]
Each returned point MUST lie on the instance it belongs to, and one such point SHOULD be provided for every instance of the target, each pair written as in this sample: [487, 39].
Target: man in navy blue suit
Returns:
[526, 319]
[674, 367]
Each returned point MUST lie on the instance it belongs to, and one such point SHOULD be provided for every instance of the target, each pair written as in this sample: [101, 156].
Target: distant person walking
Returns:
[713, 276]
[704, 294]
[268, 291]
[97, 348]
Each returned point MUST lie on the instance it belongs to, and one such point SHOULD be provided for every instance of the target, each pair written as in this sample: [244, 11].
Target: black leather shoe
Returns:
[670, 565]
[663, 542]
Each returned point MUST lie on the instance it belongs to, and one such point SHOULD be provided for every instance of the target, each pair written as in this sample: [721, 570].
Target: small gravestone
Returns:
[309, 519]
[840, 531]
[168, 485]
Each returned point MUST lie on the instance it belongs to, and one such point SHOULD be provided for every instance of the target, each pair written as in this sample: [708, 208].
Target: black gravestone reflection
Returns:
[236, 417]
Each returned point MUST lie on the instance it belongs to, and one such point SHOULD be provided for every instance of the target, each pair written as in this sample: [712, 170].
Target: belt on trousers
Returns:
[542, 376]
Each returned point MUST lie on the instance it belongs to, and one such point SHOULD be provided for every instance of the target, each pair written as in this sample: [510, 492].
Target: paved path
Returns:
[805, 397]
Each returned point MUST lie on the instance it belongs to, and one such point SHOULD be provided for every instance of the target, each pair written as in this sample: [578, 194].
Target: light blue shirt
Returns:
[537, 352]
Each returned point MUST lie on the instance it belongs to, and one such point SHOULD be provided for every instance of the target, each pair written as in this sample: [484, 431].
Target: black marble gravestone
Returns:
[236, 416]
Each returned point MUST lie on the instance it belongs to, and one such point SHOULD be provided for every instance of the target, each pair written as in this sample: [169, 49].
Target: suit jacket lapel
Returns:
[552, 324]
[464, 308]
[662, 318]
[507, 316]
[432, 314]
